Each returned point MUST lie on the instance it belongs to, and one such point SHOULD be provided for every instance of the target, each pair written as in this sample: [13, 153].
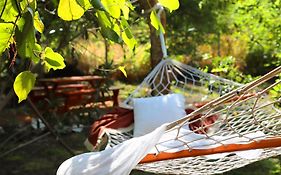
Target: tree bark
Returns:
[155, 49]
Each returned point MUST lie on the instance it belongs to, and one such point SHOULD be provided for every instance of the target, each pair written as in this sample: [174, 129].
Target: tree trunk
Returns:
[155, 49]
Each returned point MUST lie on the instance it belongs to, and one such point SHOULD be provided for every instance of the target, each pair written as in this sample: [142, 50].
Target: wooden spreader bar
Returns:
[260, 144]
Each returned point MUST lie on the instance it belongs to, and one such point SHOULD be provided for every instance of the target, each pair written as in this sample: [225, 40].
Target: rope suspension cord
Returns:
[161, 34]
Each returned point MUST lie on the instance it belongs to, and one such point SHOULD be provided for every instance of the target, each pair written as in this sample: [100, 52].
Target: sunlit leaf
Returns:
[170, 4]
[70, 10]
[84, 3]
[112, 7]
[128, 4]
[23, 84]
[23, 5]
[125, 10]
[33, 4]
[20, 24]
[117, 29]
[126, 28]
[6, 33]
[219, 69]
[155, 22]
[127, 35]
[107, 27]
[38, 24]
[104, 19]
[9, 10]
[53, 60]
[122, 69]
[130, 42]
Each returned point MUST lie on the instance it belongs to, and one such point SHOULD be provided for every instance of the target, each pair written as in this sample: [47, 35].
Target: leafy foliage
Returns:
[258, 23]
[22, 26]
[193, 23]
[226, 67]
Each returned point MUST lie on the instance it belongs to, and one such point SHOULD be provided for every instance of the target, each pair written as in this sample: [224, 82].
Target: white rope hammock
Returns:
[248, 119]
[248, 128]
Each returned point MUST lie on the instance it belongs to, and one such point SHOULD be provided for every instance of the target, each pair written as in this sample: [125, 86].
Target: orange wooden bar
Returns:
[266, 143]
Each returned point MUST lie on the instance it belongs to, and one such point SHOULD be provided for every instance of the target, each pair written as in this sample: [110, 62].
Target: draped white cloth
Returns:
[119, 160]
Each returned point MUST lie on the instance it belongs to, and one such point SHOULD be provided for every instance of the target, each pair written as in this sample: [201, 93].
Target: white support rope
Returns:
[161, 34]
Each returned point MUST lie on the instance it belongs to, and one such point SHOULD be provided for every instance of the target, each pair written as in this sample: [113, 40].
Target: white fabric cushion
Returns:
[152, 112]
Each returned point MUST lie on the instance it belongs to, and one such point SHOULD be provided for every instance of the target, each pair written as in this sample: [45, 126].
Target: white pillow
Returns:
[152, 112]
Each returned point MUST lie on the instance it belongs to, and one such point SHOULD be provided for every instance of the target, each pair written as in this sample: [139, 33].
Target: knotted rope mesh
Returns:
[227, 129]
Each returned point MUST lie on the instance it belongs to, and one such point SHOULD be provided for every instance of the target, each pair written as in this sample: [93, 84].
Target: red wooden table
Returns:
[76, 89]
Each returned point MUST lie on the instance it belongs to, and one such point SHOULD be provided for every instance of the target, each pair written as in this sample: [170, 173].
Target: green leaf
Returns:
[126, 28]
[127, 35]
[23, 84]
[53, 60]
[38, 24]
[107, 27]
[25, 4]
[170, 4]
[9, 11]
[125, 10]
[20, 24]
[122, 69]
[104, 19]
[26, 37]
[219, 69]
[97, 4]
[84, 3]
[155, 22]
[69, 10]
[37, 49]
[130, 42]
[6, 36]
[110, 34]
[112, 7]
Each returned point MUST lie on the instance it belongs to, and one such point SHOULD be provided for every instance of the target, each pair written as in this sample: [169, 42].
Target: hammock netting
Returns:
[246, 127]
